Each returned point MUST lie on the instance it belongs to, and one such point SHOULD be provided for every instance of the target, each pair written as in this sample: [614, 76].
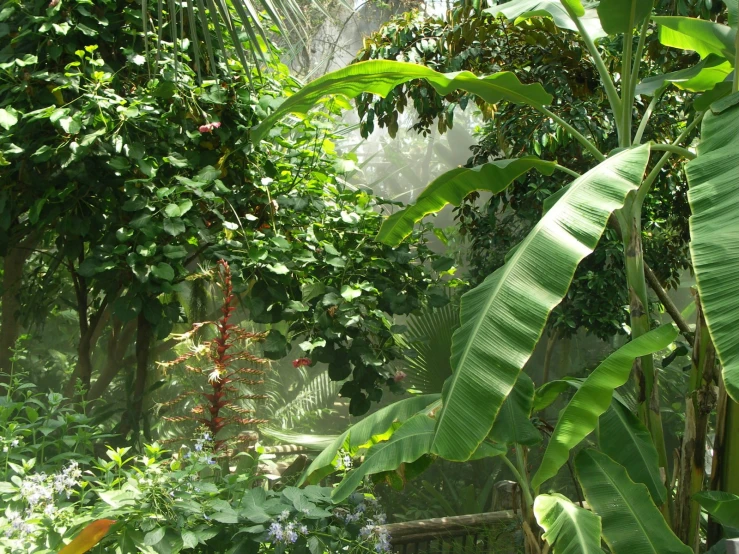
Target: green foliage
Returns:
[580, 416]
[723, 506]
[713, 184]
[631, 521]
[503, 318]
[569, 528]
[380, 77]
[453, 187]
[161, 501]
[539, 52]
[627, 441]
[131, 173]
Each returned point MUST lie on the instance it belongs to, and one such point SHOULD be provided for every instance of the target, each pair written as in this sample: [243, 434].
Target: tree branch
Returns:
[669, 305]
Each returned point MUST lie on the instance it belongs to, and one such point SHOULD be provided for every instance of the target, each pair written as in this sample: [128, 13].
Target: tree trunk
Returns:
[551, 344]
[143, 345]
[724, 476]
[13, 264]
[115, 360]
[698, 406]
[644, 373]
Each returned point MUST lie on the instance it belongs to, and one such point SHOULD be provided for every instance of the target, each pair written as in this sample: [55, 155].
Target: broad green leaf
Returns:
[713, 179]
[408, 443]
[88, 537]
[570, 529]
[8, 118]
[621, 16]
[548, 393]
[703, 76]
[453, 187]
[513, 424]
[503, 318]
[526, 9]
[733, 9]
[575, 6]
[627, 441]
[163, 271]
[631, 521]
[382, 76]
[699, 35]
[723, 506]
[359, 434]
[580, 416]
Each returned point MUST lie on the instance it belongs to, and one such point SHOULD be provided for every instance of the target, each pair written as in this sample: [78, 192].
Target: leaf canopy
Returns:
[570, 529]
[362, 432]
[382, 76]
[453, 187]
[723, 506]
[580, 416]
[713, 179]
[627, 441]
[631, 521]
[502, 319]
[407, 444]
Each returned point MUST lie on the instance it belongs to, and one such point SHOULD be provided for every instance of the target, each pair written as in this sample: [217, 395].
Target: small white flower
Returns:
[266, 181]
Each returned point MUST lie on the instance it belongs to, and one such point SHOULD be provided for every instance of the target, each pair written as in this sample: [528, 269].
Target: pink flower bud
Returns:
[300, 362]
[209, 127]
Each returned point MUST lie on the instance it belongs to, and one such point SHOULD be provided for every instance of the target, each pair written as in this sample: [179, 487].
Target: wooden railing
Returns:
[471, 534]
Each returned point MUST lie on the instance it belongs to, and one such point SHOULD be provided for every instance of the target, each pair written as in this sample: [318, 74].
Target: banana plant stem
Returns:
[647, 115]
[684, 152]
[605, 76]
[567, 170]
[522, 482]
[646, 185]
[626, 100]
[574, 132]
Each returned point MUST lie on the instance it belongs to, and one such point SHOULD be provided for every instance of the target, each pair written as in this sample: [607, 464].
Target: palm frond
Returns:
[430, 337]
[312, 396]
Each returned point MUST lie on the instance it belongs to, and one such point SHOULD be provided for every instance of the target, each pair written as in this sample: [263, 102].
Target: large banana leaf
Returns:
[632, 524]
[569, 528]
[502, 319]
[408, 443]
[699, 35]
[525, 9]
[704, 75]
[362, 432]
[621, 16]
[627, 441]
[723, 506]
[513, 424]
[382, 76]
[713, 178]
[580, 416]
[452, 187]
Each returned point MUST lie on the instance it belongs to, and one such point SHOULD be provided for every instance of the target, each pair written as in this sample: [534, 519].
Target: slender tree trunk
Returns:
[143, 345]
[115, 360]
[644, 373]
[698, 406]
[13, 264]
[551, 344]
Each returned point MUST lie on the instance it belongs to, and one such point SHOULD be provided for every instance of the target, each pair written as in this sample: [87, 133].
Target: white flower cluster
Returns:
[39, 491]
[370, 516]
[284, 531]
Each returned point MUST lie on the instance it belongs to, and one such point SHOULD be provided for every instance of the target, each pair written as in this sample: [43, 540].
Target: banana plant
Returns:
[501, 320]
